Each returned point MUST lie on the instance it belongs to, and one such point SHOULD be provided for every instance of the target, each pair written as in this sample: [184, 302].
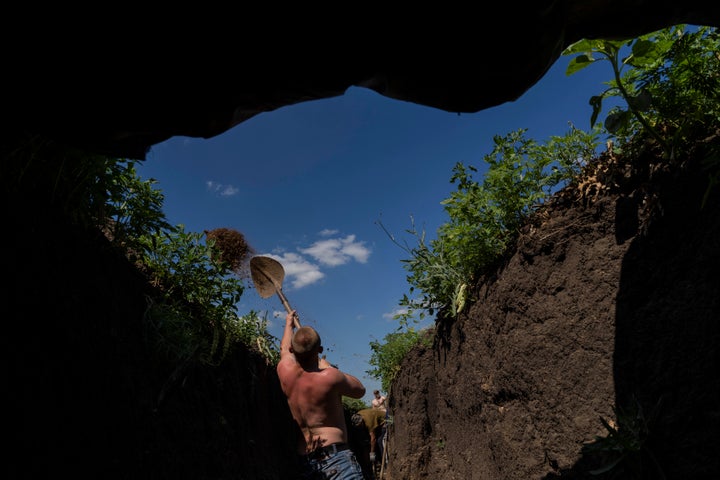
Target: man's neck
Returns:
[310, 366]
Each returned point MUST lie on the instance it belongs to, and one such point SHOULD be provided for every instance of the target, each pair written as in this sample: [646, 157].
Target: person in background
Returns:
[379, 401]
[314, 391]
[374, 420]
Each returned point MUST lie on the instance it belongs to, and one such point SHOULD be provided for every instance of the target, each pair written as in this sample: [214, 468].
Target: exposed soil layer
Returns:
[608, 305]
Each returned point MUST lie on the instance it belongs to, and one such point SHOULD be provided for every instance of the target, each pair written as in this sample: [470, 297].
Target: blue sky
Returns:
[308, 184]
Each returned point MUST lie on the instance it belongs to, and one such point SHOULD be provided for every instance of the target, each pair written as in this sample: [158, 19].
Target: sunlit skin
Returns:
[314, 391]
[379, 400]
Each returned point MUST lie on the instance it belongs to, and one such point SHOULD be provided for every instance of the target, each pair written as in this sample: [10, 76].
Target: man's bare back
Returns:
[315, 403]
[314, 391]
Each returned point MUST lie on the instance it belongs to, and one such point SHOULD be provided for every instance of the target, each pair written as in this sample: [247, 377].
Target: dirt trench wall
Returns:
[88, 399]
[584, 318]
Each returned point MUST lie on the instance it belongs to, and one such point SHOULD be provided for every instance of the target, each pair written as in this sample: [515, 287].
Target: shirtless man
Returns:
[379, 401]
[314, 391]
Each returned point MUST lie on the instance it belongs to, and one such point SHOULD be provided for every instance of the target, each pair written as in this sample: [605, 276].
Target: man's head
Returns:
[306, 343]
[357, 420]
[376, 393]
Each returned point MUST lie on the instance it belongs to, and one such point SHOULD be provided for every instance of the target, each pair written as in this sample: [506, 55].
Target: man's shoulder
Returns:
[287, 364]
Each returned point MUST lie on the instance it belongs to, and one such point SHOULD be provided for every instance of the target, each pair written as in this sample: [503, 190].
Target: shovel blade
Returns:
[267, 275]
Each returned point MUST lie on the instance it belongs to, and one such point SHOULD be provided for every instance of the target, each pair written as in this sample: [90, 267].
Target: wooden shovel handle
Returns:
[287, 306]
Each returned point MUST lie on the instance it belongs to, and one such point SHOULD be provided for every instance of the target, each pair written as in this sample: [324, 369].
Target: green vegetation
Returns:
[354, 405]
[625, 447]
[192, 313]
[387, 357]
[484, 219]
[670, 83]
[128, 209]
[671, 92]
[670, 89]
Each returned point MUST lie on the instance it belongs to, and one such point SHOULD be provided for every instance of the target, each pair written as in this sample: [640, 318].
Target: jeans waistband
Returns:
[327, 451]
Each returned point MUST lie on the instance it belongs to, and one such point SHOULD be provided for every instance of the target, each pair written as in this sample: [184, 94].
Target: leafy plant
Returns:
[430, 273]
[484, 219]
[670, 82]
[195, 314]
[626, 444]
[44, 174]
[387, 356]
[131, 208]
[671, 92]
[252, 330]
[354, 405]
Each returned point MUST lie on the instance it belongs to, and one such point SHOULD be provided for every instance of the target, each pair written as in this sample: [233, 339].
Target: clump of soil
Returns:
[233, 248]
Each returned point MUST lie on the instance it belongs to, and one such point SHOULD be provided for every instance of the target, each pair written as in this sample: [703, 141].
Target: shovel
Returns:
[267, 275]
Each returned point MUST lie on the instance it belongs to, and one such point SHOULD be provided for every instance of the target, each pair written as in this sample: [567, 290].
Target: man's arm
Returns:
[350, 386]
[286, 340]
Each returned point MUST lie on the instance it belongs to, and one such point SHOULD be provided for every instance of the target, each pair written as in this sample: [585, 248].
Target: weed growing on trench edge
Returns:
[625, 446]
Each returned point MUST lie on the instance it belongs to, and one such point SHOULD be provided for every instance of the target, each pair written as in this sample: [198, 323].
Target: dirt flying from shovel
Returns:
[232, 247]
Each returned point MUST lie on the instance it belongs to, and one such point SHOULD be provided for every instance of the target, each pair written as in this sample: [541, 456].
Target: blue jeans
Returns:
[340, 466]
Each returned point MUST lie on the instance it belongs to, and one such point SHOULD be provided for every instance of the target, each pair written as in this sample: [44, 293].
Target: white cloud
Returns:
[338, 251]
[229, 191]
[327, 232]
[299, 271]
[356, 250]
[220, 189]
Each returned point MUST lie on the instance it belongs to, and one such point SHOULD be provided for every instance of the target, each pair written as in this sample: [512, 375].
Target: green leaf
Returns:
[616, 120]
[582, 46]
[578, 63]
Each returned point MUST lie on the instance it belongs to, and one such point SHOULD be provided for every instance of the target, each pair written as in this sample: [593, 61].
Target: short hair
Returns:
[376, 391]
[305, 342]
[357, 419]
